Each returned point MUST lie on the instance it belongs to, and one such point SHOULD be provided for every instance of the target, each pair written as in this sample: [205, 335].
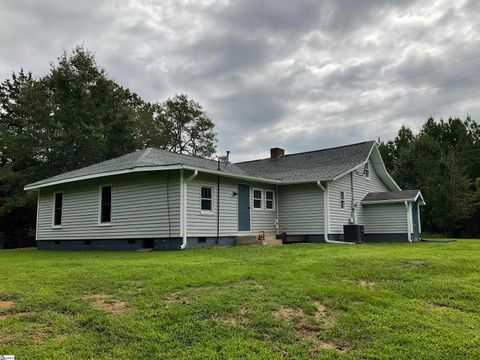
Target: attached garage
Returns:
[392, 215]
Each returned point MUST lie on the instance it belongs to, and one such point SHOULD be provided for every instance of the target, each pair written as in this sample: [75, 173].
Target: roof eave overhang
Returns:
[35, 186]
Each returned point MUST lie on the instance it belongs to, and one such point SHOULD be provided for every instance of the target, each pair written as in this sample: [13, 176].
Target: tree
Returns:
[443, 161]
[76, 116]
[179, 125]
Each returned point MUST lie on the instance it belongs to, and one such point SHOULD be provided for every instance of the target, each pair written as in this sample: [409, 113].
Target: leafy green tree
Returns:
[179, 125]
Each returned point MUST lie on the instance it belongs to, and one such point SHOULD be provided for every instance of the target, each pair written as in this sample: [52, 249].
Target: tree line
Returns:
[75, 116]
[443, 161]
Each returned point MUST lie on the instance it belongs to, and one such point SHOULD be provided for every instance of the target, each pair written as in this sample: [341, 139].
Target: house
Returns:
[162, 200]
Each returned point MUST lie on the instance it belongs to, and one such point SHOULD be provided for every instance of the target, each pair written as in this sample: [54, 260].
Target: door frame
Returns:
[249, 209]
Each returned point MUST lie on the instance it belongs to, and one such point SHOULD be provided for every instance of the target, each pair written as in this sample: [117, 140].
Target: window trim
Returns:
[57, 226]
[100, 187]
[272, 200]
[261, 199]
[212, 199]
[342, 200]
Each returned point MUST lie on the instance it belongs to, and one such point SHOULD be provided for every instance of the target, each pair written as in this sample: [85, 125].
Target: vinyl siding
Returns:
[139, 208]
[385, 218]
[361, 187]
[301, 209]
[205, 224]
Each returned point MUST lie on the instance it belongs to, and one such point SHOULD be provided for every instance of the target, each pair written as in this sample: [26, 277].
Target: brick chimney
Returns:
[276, 153]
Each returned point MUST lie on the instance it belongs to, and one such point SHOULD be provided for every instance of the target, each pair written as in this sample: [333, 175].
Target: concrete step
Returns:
[246, 240]
[145, 249]
[270, 236]
[272, 242]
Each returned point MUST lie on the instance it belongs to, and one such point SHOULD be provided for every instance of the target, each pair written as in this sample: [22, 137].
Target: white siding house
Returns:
[162, 200]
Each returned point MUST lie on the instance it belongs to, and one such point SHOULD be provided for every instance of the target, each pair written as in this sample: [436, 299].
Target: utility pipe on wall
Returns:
[184, 205]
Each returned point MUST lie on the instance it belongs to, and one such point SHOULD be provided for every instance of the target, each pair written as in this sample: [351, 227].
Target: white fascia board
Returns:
[103, 174]
[419, 195]
[221, 173]
[356, 166]
[392, 201]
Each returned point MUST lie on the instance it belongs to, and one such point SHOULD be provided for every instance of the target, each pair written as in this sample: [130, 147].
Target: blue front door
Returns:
[243, 207]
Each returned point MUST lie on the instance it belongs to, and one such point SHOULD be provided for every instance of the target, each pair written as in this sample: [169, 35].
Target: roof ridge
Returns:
[310, 151]
[143, 154]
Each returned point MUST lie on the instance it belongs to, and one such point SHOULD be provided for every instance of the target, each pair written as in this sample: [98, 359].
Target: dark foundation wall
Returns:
[113, 244]
[134, 244]
[385, 237]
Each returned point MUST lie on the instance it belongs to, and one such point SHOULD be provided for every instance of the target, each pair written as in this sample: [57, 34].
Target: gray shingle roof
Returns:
[323, 164]
[391, 195]
[146, 158]
[302, 167]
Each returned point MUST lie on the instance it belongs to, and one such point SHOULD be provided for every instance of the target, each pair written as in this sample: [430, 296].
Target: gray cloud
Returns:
[298, 74]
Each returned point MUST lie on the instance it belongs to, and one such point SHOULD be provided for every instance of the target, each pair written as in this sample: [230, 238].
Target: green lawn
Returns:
[408, 301]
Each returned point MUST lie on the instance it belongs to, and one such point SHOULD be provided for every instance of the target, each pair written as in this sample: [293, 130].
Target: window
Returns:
[257, 199]
[131, 241]
[57, 242]
[342, 200]
[269, 200]
[57, 209]
[106, 205]
[88, 242]
[207, 198]
[202, 240]
[367, 170]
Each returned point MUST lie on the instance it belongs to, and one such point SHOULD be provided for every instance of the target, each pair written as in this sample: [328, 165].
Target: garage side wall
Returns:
[384, 222]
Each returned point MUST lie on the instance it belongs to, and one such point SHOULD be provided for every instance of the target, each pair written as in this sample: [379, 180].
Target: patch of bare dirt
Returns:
[369, 285]
[234, 319]
[40, 334]
[178, 298]
[321, 345]
[19, 314]
[309, 327]
[107, 303]
[6, 304]
[417, 263]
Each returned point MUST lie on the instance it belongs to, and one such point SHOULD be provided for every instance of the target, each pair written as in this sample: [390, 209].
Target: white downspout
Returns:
[409, 221]
[184, 206]
[277, 223]
[326, 216]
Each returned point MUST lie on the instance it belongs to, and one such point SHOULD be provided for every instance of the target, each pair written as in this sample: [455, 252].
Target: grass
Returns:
[398, 301]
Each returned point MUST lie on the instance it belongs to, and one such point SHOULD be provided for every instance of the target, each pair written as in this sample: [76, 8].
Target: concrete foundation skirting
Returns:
[110, 244]
[383, 237]
[133, 244]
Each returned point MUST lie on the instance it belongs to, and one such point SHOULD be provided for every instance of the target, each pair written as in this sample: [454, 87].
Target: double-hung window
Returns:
[342, 200]
[269, 200]
[57, 209]
[257, 198]
[206, 198]
[105, 205]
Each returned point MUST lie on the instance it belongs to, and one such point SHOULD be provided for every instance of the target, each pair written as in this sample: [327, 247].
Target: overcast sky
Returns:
[302, 75]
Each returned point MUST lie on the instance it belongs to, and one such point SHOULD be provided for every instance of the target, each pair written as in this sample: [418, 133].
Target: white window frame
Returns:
[261, 199]
[366, 170]
[203, 211]
[342, 200]
[100, 223]
[272, 200]
[53, 210]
